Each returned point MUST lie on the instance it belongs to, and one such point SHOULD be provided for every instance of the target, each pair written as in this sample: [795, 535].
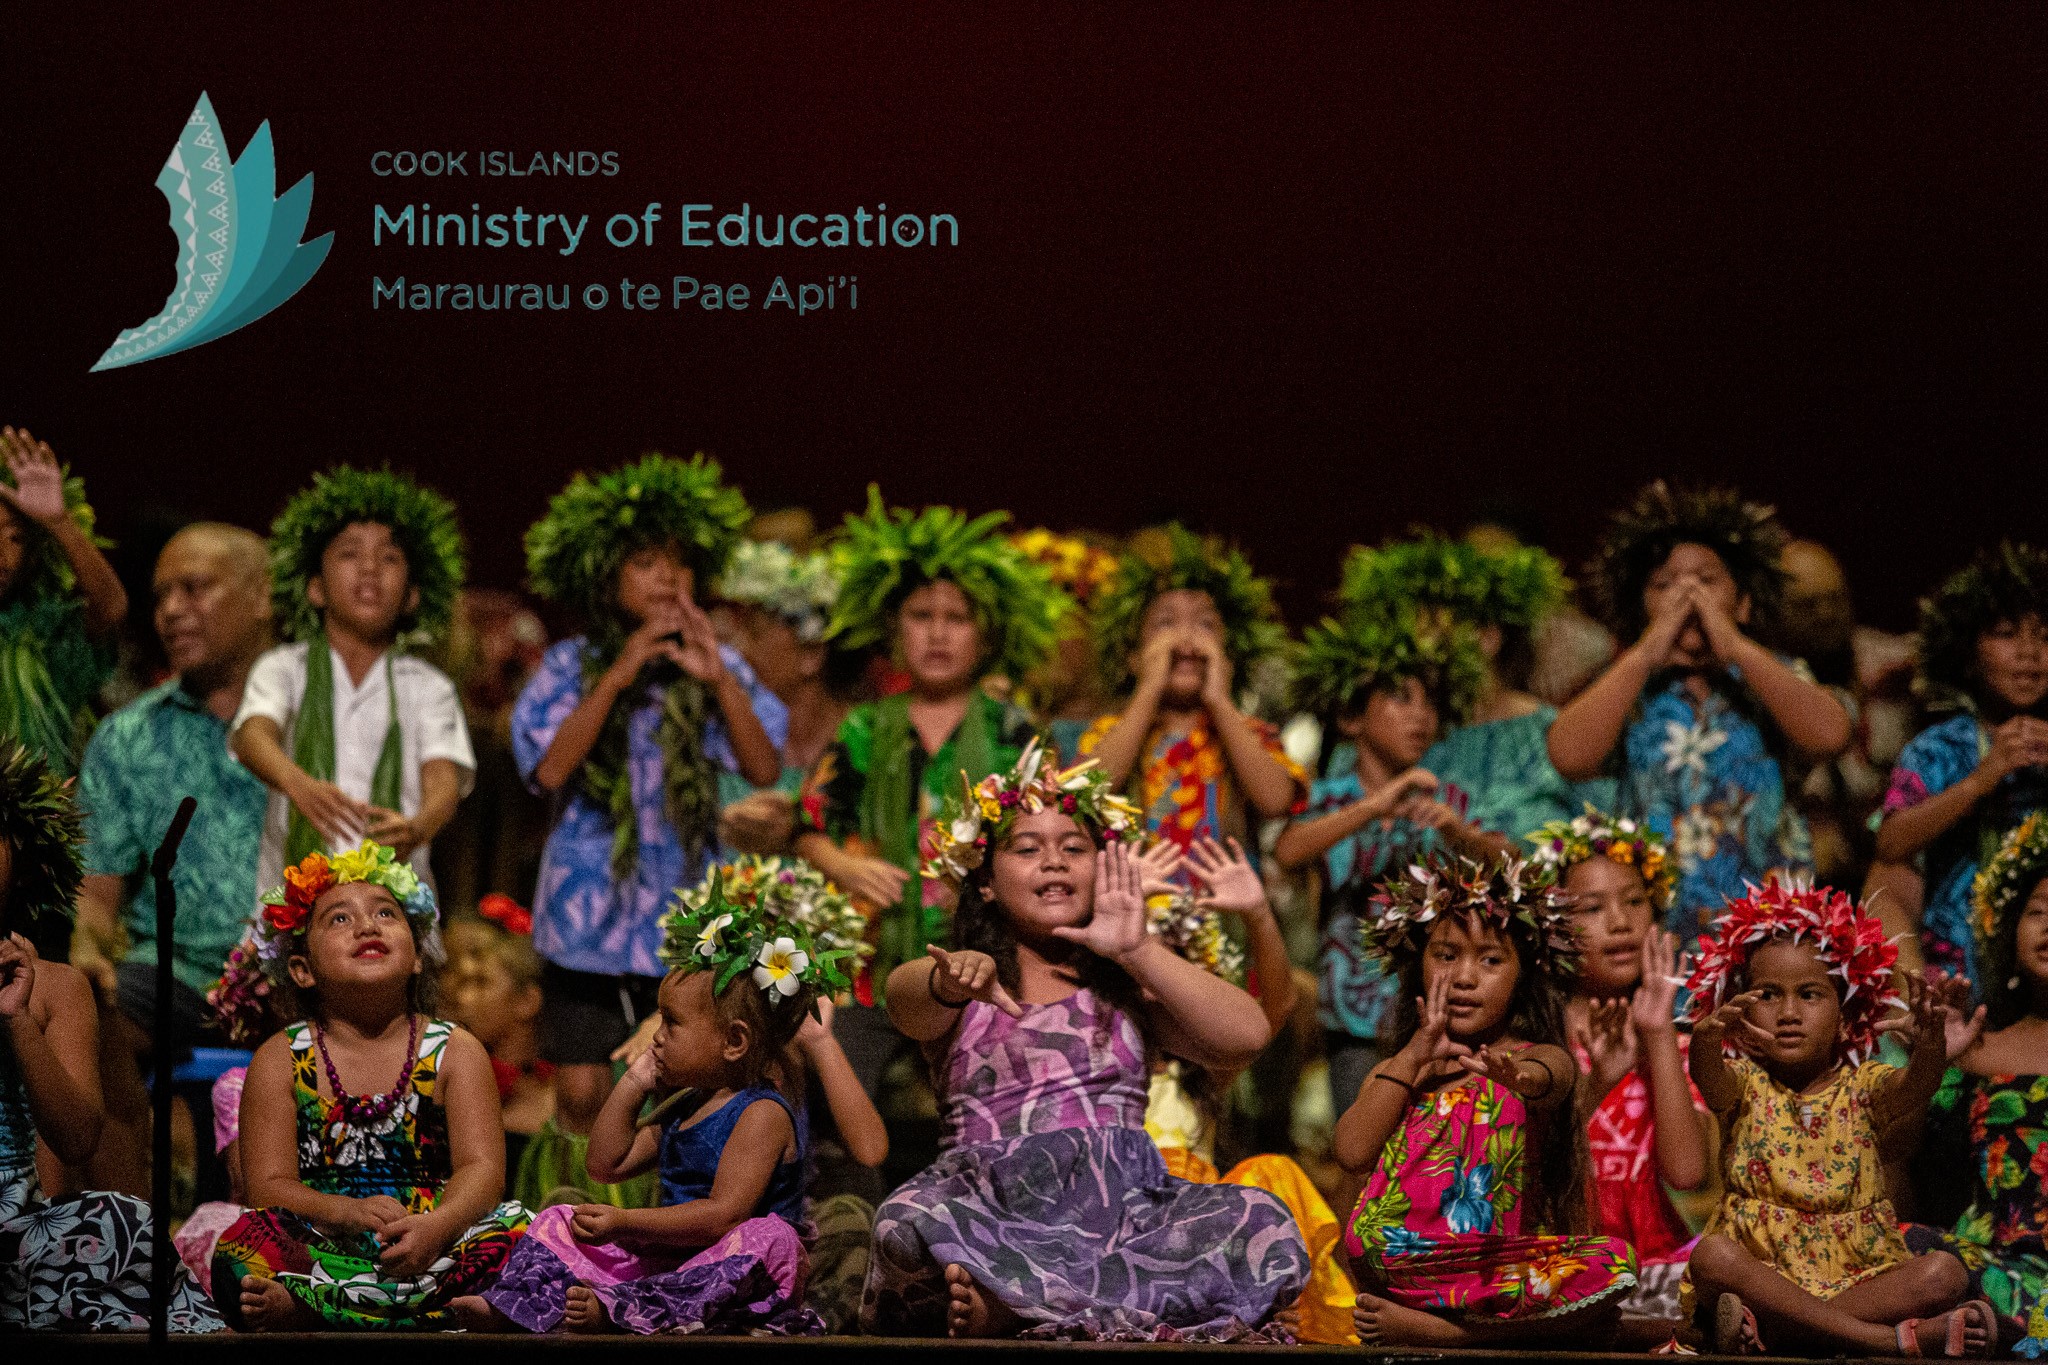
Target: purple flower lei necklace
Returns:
[369, 1110]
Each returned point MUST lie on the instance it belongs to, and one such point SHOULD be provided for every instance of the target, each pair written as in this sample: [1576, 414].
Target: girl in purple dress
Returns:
[721, 1253]
[1049, 1213]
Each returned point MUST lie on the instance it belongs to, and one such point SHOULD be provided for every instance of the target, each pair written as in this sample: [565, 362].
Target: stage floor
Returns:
[457, 1348]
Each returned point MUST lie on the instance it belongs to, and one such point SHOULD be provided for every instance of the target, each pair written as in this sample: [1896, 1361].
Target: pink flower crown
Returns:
[1849, 939]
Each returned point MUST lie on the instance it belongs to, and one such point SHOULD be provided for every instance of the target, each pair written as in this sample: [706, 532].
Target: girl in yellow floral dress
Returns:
[1805, 1250]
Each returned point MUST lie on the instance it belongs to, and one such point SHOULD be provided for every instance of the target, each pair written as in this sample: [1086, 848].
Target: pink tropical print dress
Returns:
[1440, 1221]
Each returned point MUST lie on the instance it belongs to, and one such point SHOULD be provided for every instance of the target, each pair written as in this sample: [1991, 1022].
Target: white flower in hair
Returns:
[782, 965]
[707, 937]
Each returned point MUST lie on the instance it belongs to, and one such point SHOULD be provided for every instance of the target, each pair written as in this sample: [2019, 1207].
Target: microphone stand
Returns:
[161, 1260]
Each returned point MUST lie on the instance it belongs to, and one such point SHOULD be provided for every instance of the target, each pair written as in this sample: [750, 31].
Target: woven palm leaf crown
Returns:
[421, 521]
[887, 553]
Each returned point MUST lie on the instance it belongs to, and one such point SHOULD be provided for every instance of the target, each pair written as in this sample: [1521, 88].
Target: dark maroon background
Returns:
[1303, 274]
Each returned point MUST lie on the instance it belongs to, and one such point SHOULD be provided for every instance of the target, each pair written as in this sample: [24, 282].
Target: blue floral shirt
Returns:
[142, 761]
[1936, 759]
[1708, 779]
[583, 918]
[1354, 995]
[1505, 766]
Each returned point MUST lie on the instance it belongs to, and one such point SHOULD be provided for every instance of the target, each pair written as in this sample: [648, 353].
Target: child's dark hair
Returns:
[772, 1024]
[980, 926]
[1555, 1187]
[2007, 1004]
[1747, 537]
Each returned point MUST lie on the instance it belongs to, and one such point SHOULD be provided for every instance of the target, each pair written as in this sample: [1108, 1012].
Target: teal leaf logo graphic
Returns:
[239, 253]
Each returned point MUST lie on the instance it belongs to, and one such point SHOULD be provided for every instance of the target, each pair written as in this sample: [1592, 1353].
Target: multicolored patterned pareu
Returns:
[1440, 1220]
[1050, 1194]
[404, 1155]
[2002, 1238]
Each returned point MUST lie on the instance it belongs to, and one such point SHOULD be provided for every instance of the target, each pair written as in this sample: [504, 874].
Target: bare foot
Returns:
[476, 1314]
[1289, 1319]
[972, 1312]
[1381, 1323]
[585, 1311]
[267, 1306]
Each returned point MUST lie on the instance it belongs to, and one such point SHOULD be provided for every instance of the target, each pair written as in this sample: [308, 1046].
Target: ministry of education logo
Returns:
[239, 253]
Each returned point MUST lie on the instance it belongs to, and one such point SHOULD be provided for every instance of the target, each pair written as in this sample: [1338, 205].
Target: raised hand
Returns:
[700, 656]
[1116, 925]
[1660, 636]
[877, 881]
[1724, 637]
[963, 975]
[1216, 682]
[1228, 881]
[389, 827]
[1608, 1038]
[1399, 794]
[1156, 866]
[1655, 1006]
[2019, 743]
[38, 490]
[817, 1028]
[1155, 660]
[1497, 1063]
[1965, 1028]
[1731, 1022]
[654, 638]
[1930, 1021]
[1432, 1046]
[17, 974]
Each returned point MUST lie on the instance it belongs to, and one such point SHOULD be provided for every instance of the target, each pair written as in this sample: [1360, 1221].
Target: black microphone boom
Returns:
[160, 1259]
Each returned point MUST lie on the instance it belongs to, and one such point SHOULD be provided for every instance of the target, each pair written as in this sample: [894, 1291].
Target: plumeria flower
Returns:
[782, 965]
[707, 937]
[1687, 746]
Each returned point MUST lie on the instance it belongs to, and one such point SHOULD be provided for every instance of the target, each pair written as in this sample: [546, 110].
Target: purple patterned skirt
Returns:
[1083, 1234]
[751, 1279]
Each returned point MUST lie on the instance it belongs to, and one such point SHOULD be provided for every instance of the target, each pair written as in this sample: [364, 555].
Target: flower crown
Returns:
[735, 920]
[1502, 893]
[2009, 874]
[787, 891]
[1076, 566]
[1849, 939]
[798, 588]
[508, 914]
[981, 816]
[240, 999]
[1195, 934]
[287, 908]
[1563, 844]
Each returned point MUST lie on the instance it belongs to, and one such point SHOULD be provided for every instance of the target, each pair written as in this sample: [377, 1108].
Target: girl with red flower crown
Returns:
[1788, 1000]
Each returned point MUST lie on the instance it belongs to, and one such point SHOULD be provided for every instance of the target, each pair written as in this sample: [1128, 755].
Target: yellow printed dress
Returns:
[1803, 1185]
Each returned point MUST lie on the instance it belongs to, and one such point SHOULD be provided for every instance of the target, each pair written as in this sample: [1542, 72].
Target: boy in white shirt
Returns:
[355, 738]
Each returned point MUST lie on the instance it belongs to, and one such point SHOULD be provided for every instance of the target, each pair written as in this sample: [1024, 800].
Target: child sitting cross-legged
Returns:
[721, 1253]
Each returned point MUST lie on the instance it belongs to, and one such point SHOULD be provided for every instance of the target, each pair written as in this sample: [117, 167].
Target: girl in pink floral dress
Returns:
[1471, 1229]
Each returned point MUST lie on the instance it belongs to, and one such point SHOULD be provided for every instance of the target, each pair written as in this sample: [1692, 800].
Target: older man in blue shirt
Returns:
[213, 615]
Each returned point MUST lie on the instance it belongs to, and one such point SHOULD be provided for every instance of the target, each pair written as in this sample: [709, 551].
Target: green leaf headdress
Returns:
[1513, 588]
[1339, 664]
[42, 825]
[421, 521]
[598, 522]
[1183, 560]
[2004, 583]
[709, 930]
[1747, 536]
[890, 552]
